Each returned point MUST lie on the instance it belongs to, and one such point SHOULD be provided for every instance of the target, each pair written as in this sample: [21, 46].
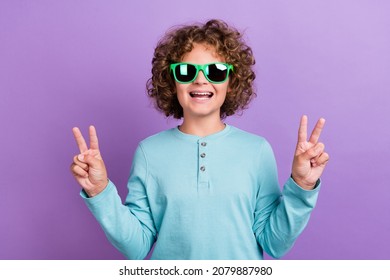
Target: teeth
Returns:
[201, 94]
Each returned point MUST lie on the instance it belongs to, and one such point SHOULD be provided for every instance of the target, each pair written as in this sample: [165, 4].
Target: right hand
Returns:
[88, 167]
[310, 157]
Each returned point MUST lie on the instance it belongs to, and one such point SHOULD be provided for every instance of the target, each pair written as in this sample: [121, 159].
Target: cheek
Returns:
[180, 88]
[223, 90]
[180, 92]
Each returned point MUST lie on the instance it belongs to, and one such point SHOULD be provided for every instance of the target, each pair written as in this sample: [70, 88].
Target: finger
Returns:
[94, 143]
[302, 131]
[77, 161]
[80, 140]
[315, 135]
[321, 160]
[78, 171]
[92, 161]
[318, 149]
[314, 152]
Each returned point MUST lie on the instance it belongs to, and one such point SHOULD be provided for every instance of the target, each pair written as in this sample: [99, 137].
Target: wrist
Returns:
[97, 190]
[303, 184]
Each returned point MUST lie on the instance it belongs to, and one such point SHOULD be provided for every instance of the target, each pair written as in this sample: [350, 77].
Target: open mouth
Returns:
[201, 95]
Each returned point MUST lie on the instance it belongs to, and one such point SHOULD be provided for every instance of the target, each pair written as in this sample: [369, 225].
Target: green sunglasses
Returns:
[215, 73]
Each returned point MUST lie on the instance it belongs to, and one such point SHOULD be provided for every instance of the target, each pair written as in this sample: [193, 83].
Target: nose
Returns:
[200, 79]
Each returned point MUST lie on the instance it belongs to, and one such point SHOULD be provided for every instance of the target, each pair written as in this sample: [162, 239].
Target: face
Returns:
[201, 98]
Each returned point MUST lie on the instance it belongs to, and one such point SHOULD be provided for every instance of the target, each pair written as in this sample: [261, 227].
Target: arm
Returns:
[281, 217]
[128, 227]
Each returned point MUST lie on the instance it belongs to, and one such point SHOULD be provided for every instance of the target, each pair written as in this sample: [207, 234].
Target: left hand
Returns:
[310, 158]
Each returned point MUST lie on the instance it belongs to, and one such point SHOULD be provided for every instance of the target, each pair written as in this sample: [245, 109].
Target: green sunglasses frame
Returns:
[203, 68]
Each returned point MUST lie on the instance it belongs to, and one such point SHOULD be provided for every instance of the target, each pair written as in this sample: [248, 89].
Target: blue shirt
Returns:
[213, 197]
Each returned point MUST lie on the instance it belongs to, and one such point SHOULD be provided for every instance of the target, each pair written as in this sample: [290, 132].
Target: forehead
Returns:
[202, 54]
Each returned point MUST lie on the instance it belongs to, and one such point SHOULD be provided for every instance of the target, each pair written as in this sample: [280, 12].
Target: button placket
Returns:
[202, 158]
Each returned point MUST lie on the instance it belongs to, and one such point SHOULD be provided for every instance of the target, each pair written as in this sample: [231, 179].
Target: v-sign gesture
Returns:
[310, 158]
[88, 167]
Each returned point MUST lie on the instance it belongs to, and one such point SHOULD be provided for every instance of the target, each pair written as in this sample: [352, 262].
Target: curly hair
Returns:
[228, 44]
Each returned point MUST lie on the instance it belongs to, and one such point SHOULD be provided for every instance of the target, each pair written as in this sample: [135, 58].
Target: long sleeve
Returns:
[280, 216]
[129, 227]
[213, 197]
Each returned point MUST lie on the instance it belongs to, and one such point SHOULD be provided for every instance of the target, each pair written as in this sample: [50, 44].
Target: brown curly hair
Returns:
[228, 44]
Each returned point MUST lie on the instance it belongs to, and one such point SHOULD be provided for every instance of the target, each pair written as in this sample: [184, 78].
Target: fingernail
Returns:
[80, 157]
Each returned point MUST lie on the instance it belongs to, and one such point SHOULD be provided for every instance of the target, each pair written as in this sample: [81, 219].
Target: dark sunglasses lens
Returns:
[217, 72]
[185, 72]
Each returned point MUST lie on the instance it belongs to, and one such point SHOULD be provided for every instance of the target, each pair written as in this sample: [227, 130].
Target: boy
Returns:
[204, 189]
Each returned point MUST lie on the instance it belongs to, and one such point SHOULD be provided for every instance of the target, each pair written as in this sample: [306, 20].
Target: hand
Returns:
[309, 159]
[88, 167]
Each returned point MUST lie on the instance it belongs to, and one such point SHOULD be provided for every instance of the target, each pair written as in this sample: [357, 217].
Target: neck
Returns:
[201, 127]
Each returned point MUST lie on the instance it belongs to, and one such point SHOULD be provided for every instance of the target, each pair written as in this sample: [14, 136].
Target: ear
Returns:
[230, 82]
[229, 88]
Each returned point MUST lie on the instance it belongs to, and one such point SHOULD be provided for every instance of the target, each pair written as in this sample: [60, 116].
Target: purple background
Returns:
[75, 63]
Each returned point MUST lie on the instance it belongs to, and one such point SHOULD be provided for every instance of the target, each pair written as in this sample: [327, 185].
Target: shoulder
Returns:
[255, 149]
[248, 138]
[154, 145]
[158, 140]
[250, 144]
